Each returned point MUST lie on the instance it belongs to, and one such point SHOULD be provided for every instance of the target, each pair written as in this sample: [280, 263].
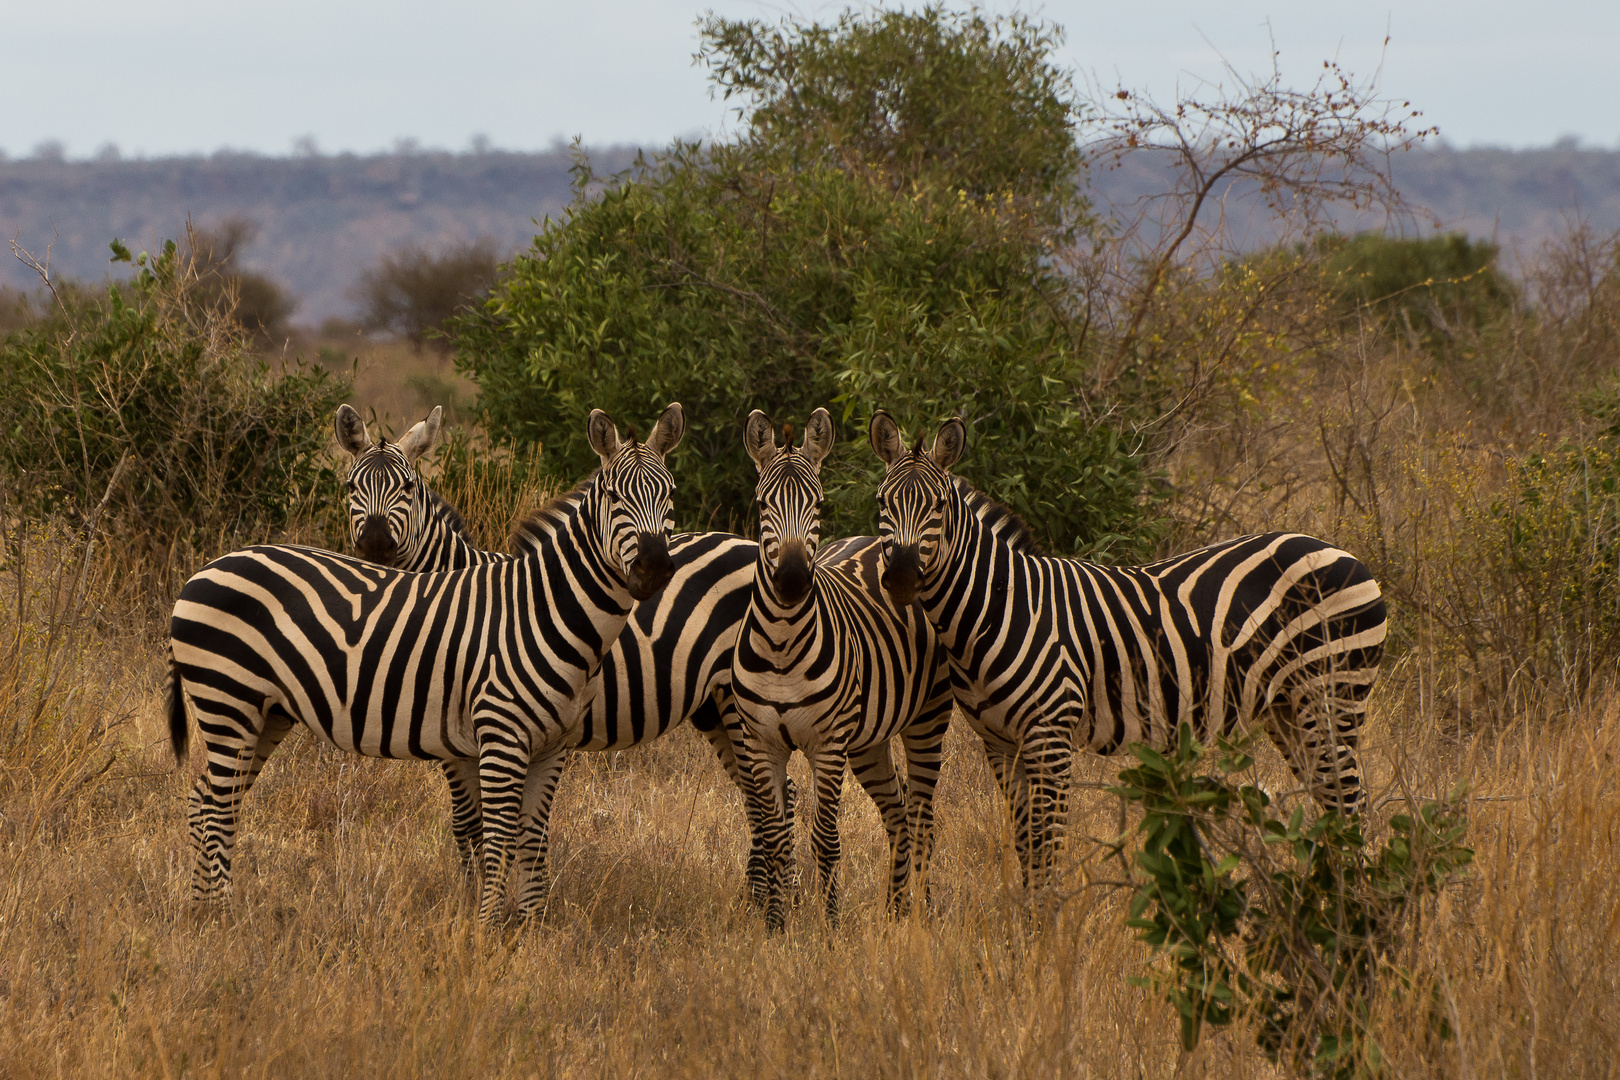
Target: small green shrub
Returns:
[148, 399]
[1289, 924]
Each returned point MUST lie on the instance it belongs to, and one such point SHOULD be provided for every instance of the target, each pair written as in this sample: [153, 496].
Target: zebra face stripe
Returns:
[914, 504]
[636, 508]
[790, 497]
[638, 515]
[386, 498]
[383, 490]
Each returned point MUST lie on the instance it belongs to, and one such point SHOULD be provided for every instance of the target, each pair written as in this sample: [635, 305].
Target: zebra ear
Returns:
[950, 443]
[667, 432]
[885, 434]
[759, 439]
[603, 436]
[419, 440]
[818, 437]
[351, 431]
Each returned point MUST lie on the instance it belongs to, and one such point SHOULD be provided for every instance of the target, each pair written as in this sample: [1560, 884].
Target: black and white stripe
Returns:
[485, 663]
[1049, 655]
[394, 518]
[825, 665]
[672, 661]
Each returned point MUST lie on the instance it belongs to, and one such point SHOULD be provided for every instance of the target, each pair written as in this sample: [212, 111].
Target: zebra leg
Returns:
[503, 768]
[534, 844]
[1318, 733]
[874, 770]
[237, 749]
[767, 771]
[827, 765]
[725, 736]
[466, 825]
[1013, 781]
[1046, 757]
[925, 748]
[732, 735]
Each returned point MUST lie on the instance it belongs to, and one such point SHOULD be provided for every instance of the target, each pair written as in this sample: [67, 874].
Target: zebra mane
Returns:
[540, 521]
[447, 512]
[1000, 518]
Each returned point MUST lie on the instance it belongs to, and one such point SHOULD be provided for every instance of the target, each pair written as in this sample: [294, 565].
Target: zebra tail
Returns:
[179, 730]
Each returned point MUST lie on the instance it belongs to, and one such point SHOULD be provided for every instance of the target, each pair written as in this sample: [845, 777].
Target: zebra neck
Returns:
[776, 626]
[970, 595]
[561, 551]
[441, 543]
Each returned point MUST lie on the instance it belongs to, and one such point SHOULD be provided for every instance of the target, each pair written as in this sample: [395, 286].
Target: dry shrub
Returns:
[493, 486]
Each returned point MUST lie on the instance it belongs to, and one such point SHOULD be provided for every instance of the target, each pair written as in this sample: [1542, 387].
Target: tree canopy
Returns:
[881, 231]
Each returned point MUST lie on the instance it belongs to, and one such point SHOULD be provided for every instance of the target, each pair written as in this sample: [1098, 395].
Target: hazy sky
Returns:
[181, 76]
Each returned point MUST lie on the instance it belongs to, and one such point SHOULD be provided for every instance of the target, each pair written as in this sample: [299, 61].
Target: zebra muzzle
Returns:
[376, 541]
[902, 574]
[792, 578]
[652, 567]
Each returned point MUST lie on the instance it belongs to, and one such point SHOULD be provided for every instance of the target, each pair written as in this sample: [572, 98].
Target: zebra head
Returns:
[634, 507]
[789, 498]
[913, 503]
[386, 500]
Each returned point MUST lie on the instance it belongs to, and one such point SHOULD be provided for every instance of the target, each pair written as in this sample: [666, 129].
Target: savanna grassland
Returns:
[1134, 387]
[351, 945]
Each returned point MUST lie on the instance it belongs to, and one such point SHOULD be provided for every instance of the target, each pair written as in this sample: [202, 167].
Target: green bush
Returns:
[1285, 923]
[149, 400]
[881, 233]
[1432, 287]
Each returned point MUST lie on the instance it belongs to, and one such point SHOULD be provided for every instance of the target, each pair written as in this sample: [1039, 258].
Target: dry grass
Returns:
[352, 946]
[399, 382]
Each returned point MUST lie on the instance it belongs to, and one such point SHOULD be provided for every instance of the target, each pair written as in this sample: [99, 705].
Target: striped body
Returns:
[1051, 655]
[672, 661]
[487, 664]
[824, 664]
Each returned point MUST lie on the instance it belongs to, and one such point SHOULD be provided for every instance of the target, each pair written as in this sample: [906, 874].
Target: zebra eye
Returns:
[352, 485]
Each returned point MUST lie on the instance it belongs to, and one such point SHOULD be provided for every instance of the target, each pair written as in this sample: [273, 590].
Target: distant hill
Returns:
[323, 219]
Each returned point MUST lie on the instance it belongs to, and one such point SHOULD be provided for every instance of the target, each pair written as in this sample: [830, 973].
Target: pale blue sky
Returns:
[179, 76]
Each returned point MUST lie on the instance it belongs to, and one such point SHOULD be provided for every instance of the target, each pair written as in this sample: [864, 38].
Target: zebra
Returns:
[488, 662]
[671, 662]
[1047, 654]
[824, 664]
[393, 518]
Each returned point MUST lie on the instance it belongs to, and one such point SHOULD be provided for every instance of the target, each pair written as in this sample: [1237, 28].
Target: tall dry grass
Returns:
[352, 944]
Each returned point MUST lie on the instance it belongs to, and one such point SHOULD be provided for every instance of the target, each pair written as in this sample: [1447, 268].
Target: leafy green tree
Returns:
[881, 232]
